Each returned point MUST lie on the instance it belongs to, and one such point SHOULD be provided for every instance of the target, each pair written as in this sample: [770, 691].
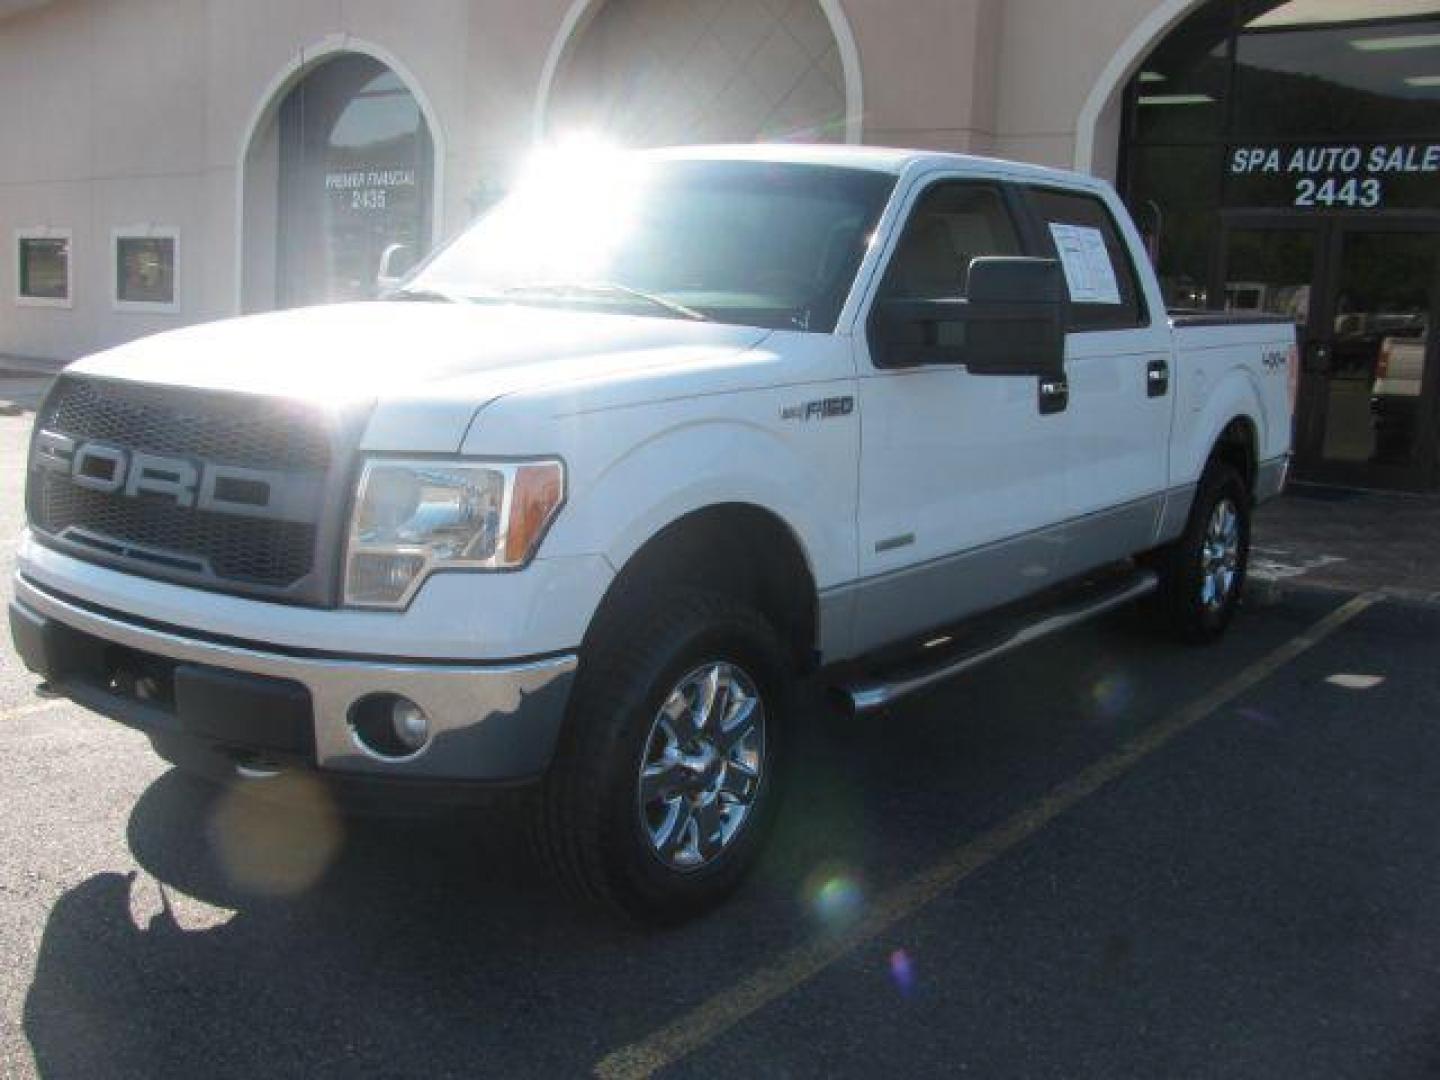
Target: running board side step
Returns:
[869, 696]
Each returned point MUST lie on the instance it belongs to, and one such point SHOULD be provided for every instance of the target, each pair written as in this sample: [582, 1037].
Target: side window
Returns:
[1080, 231]
[951, 224]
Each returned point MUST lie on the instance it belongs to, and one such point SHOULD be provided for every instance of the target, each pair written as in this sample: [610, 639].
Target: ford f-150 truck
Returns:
[657, 440]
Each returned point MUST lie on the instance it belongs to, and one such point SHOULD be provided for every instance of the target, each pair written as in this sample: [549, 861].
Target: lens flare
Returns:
[1112, 695]
[1252, 715]
[835, 896]
[280, 844]
[902, 972]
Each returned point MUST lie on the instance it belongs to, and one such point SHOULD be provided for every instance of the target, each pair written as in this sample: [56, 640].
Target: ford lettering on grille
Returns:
[224, 491]
[219, 489]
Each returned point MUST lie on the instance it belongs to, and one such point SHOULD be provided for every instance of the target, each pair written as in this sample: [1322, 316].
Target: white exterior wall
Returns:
[125, 112]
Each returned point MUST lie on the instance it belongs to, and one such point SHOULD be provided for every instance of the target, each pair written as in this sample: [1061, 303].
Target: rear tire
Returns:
[668, 773]
[1203, 573]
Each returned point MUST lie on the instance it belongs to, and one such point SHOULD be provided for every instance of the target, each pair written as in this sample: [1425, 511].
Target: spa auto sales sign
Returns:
[1335, 177]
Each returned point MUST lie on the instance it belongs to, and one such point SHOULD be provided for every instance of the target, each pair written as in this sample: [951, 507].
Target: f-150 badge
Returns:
[824, 409]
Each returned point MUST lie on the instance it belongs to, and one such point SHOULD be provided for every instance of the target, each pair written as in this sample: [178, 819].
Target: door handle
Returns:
[1157, 378]
[1054, 394]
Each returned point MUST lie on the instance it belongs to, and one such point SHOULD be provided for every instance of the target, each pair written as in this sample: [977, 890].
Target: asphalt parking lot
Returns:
[1108, 856]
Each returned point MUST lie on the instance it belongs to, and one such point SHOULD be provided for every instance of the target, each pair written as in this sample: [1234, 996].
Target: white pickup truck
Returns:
[657, 438]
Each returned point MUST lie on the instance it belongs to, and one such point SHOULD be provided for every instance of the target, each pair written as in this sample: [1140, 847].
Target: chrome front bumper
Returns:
[492, 722]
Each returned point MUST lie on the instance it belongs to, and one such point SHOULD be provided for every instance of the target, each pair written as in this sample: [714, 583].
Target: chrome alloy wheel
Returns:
[1220, 555]
[703, 766]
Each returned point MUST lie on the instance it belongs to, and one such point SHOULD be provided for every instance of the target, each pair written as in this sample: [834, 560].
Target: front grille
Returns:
[258, 433]
[273, 554]
[153, 533]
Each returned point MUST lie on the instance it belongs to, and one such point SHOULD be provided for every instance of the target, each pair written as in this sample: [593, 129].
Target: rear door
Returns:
[1118, 364]
[960, 474]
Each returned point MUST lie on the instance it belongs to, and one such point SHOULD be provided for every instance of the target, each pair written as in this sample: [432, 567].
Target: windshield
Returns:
[755, 243]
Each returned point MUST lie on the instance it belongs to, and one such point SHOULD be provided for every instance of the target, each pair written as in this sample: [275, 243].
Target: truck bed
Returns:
[1230, 364]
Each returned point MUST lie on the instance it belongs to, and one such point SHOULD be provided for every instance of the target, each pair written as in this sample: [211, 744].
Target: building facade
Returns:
[171, 161]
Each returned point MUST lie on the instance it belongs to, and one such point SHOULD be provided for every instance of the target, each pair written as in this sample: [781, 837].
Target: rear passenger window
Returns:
[1081, 232]
[952, 224]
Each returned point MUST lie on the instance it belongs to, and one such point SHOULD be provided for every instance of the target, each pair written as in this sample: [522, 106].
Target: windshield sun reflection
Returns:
[769, 244]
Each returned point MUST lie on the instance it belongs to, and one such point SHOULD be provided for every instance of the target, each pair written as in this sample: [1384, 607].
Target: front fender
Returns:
[801, 478]
[643, 451]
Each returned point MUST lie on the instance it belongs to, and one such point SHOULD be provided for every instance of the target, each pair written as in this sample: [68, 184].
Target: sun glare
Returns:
[560, 231]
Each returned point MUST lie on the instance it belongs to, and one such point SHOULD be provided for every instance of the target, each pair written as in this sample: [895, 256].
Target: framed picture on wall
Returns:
[147, 265]
[44, 270]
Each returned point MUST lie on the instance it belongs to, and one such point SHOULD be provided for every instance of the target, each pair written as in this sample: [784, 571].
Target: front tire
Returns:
[668, 772]
[1203, 573]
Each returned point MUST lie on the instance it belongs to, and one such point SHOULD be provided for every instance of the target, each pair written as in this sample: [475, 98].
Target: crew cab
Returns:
[582, 502]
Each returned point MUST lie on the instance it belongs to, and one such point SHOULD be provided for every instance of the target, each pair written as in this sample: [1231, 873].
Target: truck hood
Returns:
[401, 356]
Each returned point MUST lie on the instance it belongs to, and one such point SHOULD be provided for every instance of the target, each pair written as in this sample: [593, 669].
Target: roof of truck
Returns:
[885, 159]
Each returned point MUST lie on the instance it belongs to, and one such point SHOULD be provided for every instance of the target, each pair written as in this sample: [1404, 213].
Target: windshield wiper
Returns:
[613, 289]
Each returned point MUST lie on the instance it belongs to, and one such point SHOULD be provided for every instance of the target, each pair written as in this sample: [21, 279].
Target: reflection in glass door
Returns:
[1362, 295]
[1385, 293]
[355, 183]
[1271, 269]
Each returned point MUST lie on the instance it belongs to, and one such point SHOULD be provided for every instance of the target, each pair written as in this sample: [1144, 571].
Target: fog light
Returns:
[390, 727]
[411, 725]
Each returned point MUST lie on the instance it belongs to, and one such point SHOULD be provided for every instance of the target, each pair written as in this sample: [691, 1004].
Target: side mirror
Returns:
[396, 262]
[1012, 323]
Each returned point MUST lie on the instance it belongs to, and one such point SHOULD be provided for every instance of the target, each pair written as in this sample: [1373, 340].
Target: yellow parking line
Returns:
[752, 993]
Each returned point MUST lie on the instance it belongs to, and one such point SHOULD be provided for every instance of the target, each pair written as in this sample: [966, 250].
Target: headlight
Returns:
[412, 518]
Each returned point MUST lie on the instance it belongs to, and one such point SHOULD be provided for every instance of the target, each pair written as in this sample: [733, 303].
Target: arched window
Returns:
[355, 164]
[661, 72]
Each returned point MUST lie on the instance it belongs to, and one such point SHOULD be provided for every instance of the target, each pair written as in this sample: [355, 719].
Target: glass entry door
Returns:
[1379, 405]
[1363, 294]
[355, 183]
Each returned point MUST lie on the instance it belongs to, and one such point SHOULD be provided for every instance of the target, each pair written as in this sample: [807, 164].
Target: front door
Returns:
[1363, 292]
[959, 474]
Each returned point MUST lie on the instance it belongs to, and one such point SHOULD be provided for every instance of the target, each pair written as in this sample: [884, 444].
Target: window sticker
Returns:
[1088, 269]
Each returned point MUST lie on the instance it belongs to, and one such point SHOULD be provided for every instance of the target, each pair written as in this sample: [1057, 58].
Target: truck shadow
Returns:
[436, 946]
[413, 946]
[420, 941]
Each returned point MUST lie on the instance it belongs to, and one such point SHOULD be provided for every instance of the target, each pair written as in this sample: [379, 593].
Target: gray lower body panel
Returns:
[880, 611]
[1175, 514]
[859, 618]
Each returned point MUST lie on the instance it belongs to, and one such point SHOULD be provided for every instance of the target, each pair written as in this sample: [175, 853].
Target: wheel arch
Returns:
[1231, 425]
[1238, 445]
[739, 548]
